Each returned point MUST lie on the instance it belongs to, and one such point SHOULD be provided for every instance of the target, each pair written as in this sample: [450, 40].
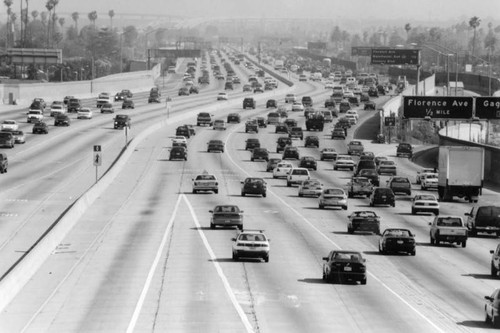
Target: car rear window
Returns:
[299, 172]
[226, 209]
[488, 211]
[400, 180]
[449, 222]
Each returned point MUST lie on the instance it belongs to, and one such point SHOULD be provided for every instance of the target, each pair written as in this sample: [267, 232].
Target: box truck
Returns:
[461, 172]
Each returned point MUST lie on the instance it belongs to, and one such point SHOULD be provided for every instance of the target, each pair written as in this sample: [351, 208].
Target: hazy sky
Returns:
[409, 10]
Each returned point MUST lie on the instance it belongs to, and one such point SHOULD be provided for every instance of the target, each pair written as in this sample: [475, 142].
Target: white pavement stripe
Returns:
[147, 284]
[225, 282]
[338, 247]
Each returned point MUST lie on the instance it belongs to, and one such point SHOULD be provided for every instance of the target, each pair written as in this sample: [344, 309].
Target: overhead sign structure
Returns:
[364, 51]
[395, 56]
[171, 53]
[437, 107]
[488, 107]
[34, 56]
[390, 121]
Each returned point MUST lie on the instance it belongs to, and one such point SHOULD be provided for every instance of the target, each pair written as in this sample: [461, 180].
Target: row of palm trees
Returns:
[51, 15]
[474, 23]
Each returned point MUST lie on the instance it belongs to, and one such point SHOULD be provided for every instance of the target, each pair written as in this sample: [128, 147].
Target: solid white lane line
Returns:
[338, 247]
[147, 284]
[225, 282]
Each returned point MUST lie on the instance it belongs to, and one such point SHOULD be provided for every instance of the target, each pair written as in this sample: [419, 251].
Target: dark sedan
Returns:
[226, 215]
[397, 240]
[342, 266]
[253, 185]
[308, 162]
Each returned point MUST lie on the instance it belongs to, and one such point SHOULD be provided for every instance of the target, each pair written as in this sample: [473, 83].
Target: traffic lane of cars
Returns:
[424, 233]
[293, 203]
[128, 223]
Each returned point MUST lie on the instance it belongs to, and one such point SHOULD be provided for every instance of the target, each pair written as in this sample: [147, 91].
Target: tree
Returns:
[75, 16]
[49, 5]
[92, 17]
[130, 36]
[34, 14]
[61, 21]
[407, 28]
[111, 14]
[8, 4]
[474, 22]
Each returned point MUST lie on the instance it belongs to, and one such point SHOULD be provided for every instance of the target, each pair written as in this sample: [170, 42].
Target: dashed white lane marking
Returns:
[338, 247]
[147, 284]
[213, 258]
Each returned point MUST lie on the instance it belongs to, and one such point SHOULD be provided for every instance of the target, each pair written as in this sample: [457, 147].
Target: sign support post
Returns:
[97, 160]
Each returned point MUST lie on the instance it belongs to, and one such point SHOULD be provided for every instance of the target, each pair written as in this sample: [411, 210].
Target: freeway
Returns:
[143, 257]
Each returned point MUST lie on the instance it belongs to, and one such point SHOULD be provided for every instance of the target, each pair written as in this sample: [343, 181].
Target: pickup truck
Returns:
[355, 148]
[361, 186]
[35, 116]
[449, 229]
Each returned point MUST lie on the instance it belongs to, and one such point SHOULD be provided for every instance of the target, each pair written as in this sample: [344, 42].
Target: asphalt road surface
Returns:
[143, 258]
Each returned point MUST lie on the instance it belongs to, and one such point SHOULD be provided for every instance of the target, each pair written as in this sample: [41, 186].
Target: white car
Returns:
[421, 172]
[222, 96]
[251, 244]
[205, 182]
[426, 203]
[282, 169]
[344, 162]
[335, 197]
[429, 181]
[10, 125]
[348, 94]
[311, 187]
[297, 106]
[219, 124]
[329, 85]
[57, 109]
[179, 139]
[352, 113]
[297, 176]
[84, 113]
[352, 119]
[290, 98]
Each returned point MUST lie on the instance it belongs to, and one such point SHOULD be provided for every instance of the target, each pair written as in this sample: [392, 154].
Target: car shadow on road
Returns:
[372, 253]
[475, 323]
[200, 228]
[312, 280]
[482, 276]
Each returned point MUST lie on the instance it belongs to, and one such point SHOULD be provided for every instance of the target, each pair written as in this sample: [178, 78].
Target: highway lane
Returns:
[34, 194]
[440, 289]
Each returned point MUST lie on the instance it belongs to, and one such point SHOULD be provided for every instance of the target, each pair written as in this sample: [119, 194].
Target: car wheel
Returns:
[393, 204]
[494, 270]
[235, 256]
[413, 211]
[321, 207]
[212, 226]
[464, 243]
[242, 194]
[266, 258]
[423, 188]
[371, 204]
[194, 191]
[437, 241]
[216, 191]
[363, 281]
[288, 184]
[264, 194]
[350, 230]
[240, 227]
[413, 252]
[495, 321]
[344, 207]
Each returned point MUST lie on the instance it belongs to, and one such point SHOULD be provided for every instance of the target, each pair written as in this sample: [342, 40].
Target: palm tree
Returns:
[34, 14]
[93, 17]
[49, 5]
[75, 16]
[111, 14]
[8, 4]
[474, 22]
[61, 21]
[407, 28]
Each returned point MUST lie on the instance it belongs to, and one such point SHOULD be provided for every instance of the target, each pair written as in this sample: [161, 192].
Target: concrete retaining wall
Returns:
[23, 93]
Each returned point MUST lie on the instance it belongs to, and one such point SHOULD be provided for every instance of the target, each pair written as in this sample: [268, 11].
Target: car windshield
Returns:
[205, 177]
[347, 256]
[397, 233]
[252, 237]
[425, 197]
[334, 191]
[449, 222]
[9, 122]
[364, 214]
[226, 209]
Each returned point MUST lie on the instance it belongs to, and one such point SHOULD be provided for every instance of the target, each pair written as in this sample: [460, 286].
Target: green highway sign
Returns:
[488, 107]
[437, 107]
[395, 56]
